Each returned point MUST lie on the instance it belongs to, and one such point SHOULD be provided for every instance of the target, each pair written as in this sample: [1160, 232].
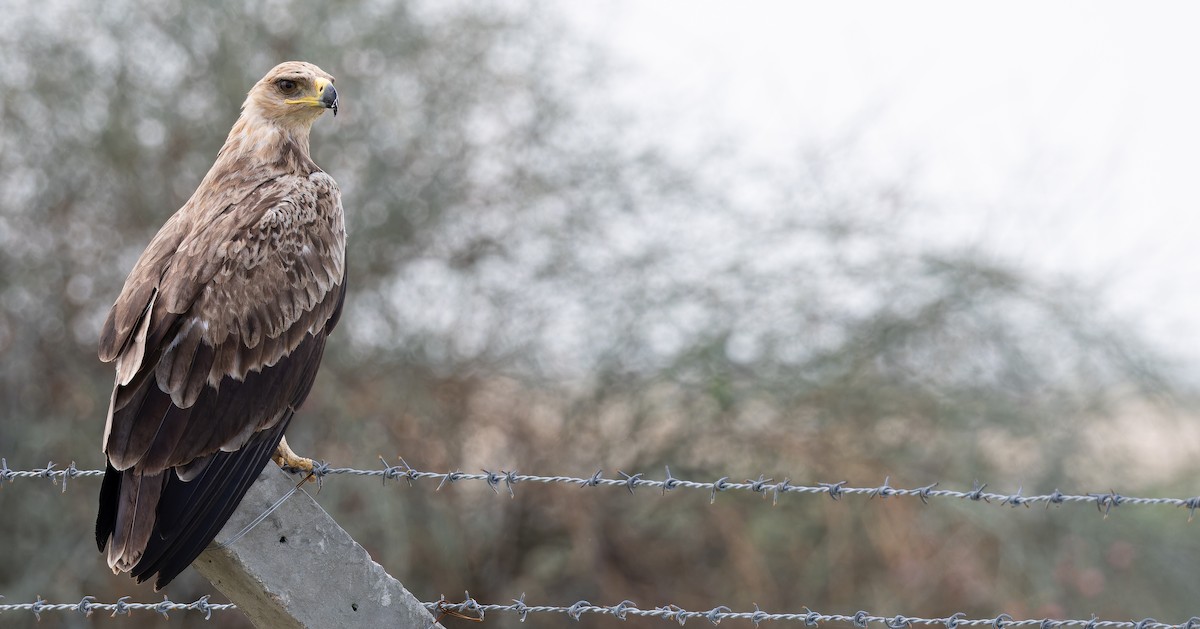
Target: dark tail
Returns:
[176, 519]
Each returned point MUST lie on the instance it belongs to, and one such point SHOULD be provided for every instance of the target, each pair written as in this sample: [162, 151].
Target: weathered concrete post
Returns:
[299, 569]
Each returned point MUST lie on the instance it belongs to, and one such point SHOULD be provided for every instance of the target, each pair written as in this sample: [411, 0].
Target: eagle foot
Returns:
[292, 462]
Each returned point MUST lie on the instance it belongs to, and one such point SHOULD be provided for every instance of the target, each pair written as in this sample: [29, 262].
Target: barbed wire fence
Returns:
[479, 611]
[508, 481]
[1104, 502]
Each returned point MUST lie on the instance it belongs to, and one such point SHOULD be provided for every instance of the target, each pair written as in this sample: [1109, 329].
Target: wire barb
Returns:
[631, 481]
[833, 489]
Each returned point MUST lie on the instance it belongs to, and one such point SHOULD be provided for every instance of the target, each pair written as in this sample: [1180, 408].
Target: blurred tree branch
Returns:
[532, 284]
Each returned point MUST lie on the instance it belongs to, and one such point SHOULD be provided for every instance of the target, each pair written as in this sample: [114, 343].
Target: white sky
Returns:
[1060, 135]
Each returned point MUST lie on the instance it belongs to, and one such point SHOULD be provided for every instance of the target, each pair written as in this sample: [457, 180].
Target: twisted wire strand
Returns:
[88, 605]
[470, 607]
[1105, 502]
[810, 618]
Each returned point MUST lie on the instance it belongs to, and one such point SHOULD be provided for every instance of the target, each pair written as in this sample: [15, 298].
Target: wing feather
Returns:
[140, 426]
[140, 288]
[130, 362]
[175, 365]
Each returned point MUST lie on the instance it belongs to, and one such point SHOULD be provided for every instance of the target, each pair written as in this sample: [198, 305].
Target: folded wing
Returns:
[217, 337]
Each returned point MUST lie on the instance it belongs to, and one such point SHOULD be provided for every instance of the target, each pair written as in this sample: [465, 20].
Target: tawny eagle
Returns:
[218, 333]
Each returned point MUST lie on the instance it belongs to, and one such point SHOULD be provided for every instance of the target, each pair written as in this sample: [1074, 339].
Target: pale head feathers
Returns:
[289, 95]
[280, 110]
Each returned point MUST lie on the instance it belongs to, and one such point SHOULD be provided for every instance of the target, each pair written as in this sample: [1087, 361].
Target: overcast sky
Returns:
[1060, 135]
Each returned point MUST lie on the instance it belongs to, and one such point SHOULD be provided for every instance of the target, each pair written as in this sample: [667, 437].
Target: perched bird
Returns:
[218, 333]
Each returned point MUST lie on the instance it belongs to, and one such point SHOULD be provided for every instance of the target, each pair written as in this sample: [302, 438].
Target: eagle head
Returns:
[292, 94]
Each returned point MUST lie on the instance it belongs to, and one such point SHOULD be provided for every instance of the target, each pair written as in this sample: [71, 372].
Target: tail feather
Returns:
[188, 531]
[159, 524]
[135, 518]
[106, 519]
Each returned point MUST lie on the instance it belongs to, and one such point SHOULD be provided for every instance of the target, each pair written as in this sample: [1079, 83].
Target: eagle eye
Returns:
[286, 86]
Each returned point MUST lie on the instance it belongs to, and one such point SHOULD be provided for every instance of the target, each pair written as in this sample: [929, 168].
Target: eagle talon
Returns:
[292, 462]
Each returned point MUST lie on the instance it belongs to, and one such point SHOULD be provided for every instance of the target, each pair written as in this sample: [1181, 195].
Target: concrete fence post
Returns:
[299, 569]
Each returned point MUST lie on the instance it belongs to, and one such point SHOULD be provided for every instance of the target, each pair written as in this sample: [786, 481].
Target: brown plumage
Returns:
[219, 330]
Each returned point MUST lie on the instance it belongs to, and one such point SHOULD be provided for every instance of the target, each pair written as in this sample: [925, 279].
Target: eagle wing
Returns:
[216, 336]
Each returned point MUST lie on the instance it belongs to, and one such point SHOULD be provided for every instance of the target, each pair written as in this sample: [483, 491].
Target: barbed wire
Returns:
[88, 605]
[809, 617]
[1104, 501]
[626, 608]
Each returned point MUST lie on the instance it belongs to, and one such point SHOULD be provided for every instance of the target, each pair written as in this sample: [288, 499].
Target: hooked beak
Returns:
[326, 96]
[329, 97]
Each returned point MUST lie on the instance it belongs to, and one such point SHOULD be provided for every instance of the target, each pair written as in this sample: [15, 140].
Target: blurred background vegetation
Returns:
[536, 287]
